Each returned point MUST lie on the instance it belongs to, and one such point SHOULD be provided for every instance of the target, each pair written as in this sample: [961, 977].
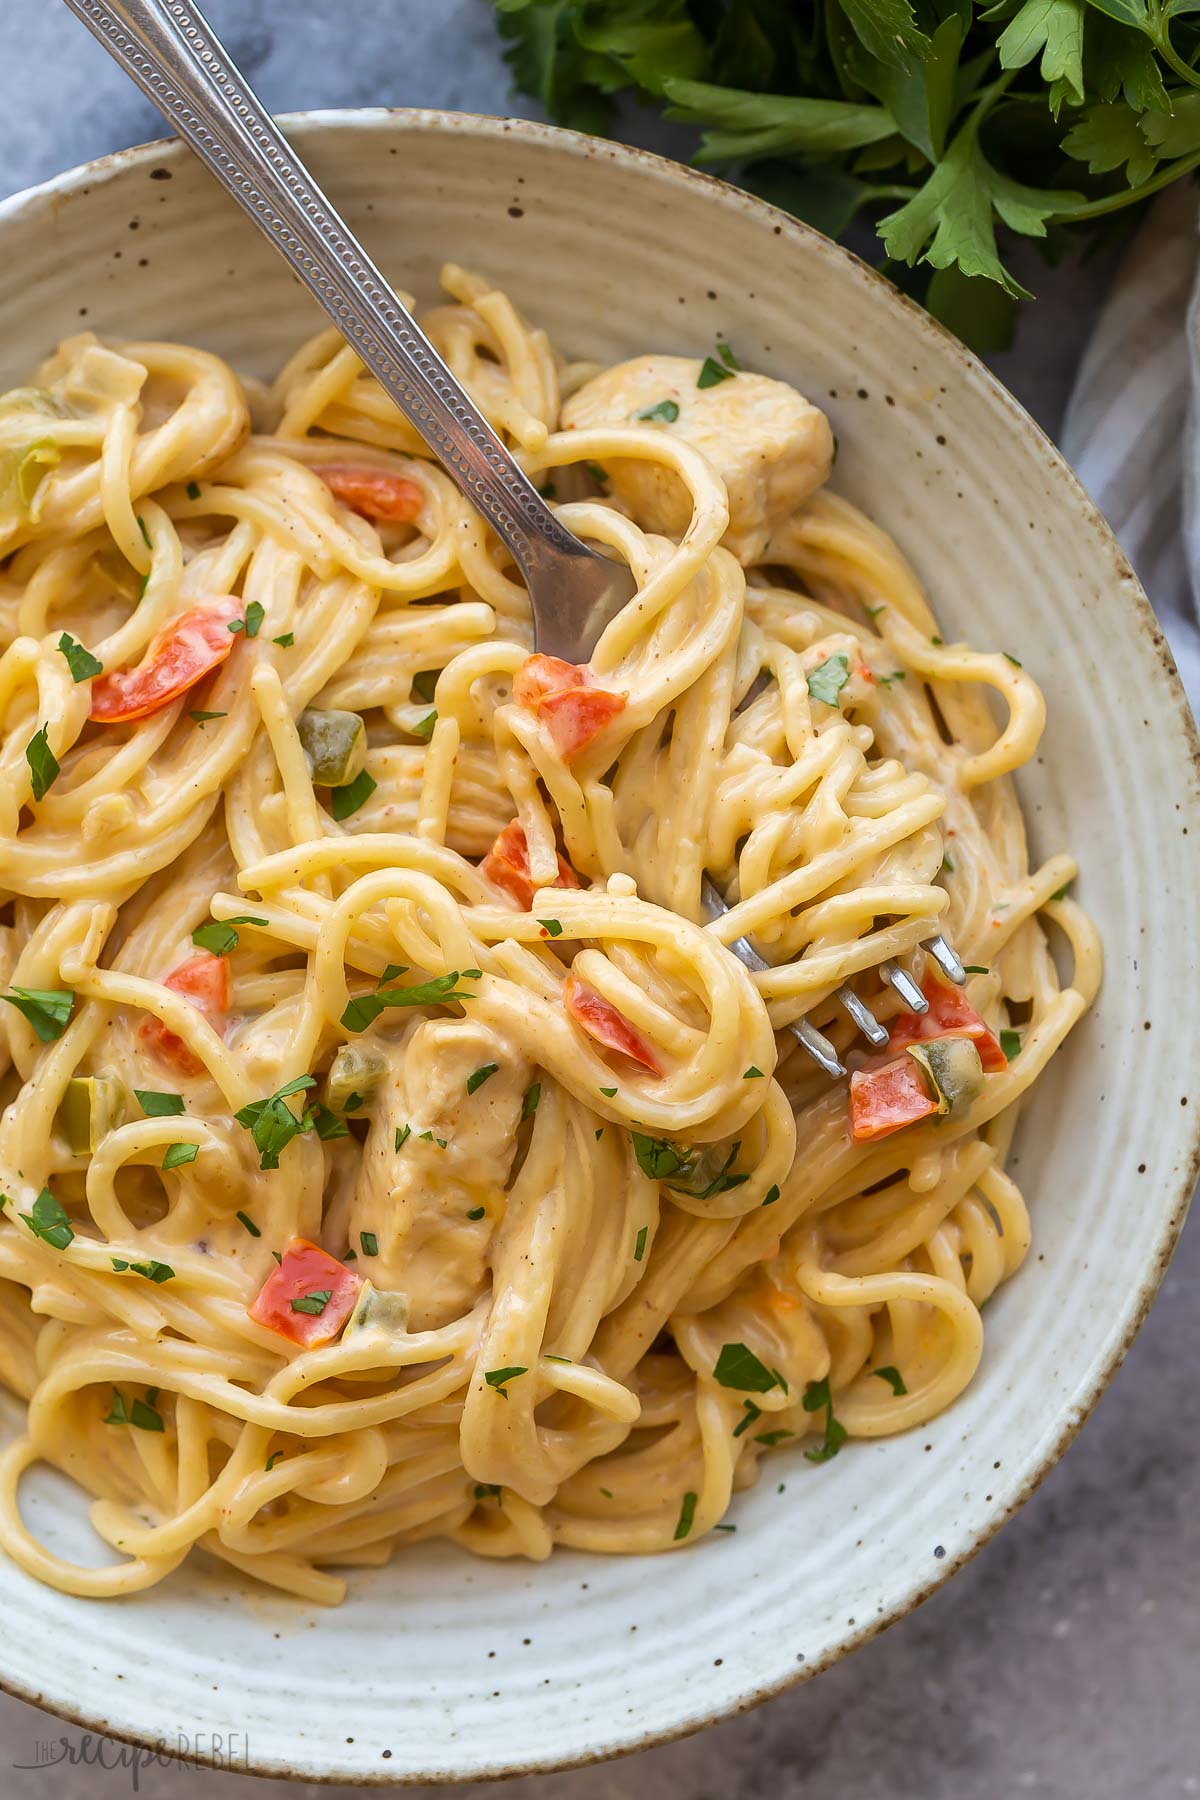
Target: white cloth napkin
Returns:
[1132, 428]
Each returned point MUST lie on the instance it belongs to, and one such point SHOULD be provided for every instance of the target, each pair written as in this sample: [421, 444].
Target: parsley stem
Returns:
[1109, 203]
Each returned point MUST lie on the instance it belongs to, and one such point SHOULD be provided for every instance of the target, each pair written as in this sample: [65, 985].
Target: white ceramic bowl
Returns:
[445, 1667]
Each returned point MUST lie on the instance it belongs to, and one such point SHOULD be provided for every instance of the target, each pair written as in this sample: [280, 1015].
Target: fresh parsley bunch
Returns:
[950, 125]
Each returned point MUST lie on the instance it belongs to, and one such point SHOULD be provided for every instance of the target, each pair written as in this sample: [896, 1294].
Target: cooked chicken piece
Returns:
[433, 1204]
[771, 447]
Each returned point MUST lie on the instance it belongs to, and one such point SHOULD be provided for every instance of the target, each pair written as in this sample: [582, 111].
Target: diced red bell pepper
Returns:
[886, 1099]
[507, 865]
[190, 648]
[204, 980]
[950, 1015]
[308, 1298]
[373, 492]
[564, 696]
[608, 1026]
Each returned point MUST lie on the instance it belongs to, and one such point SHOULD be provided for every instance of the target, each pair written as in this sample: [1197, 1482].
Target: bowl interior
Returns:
[441, 1666]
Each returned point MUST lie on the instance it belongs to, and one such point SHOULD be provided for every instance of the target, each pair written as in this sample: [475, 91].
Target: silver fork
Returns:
[175, 57]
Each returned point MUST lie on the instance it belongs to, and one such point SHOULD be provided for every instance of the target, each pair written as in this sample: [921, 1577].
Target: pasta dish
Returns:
[392, 1147]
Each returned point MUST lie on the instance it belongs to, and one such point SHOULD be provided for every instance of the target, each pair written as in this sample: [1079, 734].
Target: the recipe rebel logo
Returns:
[190, 1751]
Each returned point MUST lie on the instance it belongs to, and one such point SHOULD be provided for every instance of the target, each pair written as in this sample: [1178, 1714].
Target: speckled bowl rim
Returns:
[1159, 1252]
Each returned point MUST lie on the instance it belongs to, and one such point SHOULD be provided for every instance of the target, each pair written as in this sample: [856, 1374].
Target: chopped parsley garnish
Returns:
[827, 681]
[937, 641]
[529, 1104]
[327, 1125]
[353, 1102]
[314, 1303]
[202, 718]
[687, 1514]
[488, 1490]
[596, 472]
[49, 1222]
[660, 1159]
[752, 1074]
[873, 612]
[343, 801]
[476, 1212]
[667, 410]
[255, 614]
[1012, 660]
[639, 1248]
[391, 972]
[1061, 894]
[891, 1374]
[724, 1527]
[215, 937]
[153, 1271]
[272, 1460]
[887, 680]
[975, 969]
[552, 927]
[599, 1132]
[1010, 1042]
[272, 1124]
[144, 532]
[424, 727]
[193, 490]
[285, 640]
[771, 1438]
[48, 1010]
[369, 1243]
[738, 1367]
[424, 682]
[751, 1413]
[138, 1413]
[82, 664]
[478, 1076]
[427, 1137]
[771, 1195]
[158, 1106]
[725, 352]
[816, 1396]
[496, 1378]
[948, 865]
[364, 1009]
[245, 1219]
[43, 764]
[550, 1357]
[178, 1154]
[608, 1092]
[403, 1133]
[711, 372]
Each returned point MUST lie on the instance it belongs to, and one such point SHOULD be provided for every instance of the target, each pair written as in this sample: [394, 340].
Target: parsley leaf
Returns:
[343, 801]
[667, 410]
[215, 937]
[712, 372]
[529, 1105]
[424, 727]
[43, 764]
[639, 1248]
[1010, 1042]
[82, 664]
[827, 680]
[364, 1009]
[687, 1516]
[255, 614]
[816, 1396]
[891, 1374]
[271, 1123]
[48, 1010]
[552, 927]
[738, 1367]
[158, 1106]
[369, 1243]
[478, 1076]
[497, 1378]
[178, 1154]
[49, 1222]
[313, 1303]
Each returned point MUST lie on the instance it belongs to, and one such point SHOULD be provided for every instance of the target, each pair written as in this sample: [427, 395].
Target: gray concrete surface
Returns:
[1064, 1662]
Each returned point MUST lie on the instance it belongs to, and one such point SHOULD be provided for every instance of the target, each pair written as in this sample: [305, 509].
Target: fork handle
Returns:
[171, 51]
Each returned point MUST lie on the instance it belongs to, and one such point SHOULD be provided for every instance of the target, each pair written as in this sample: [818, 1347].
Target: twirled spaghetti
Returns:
[390, 1150]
